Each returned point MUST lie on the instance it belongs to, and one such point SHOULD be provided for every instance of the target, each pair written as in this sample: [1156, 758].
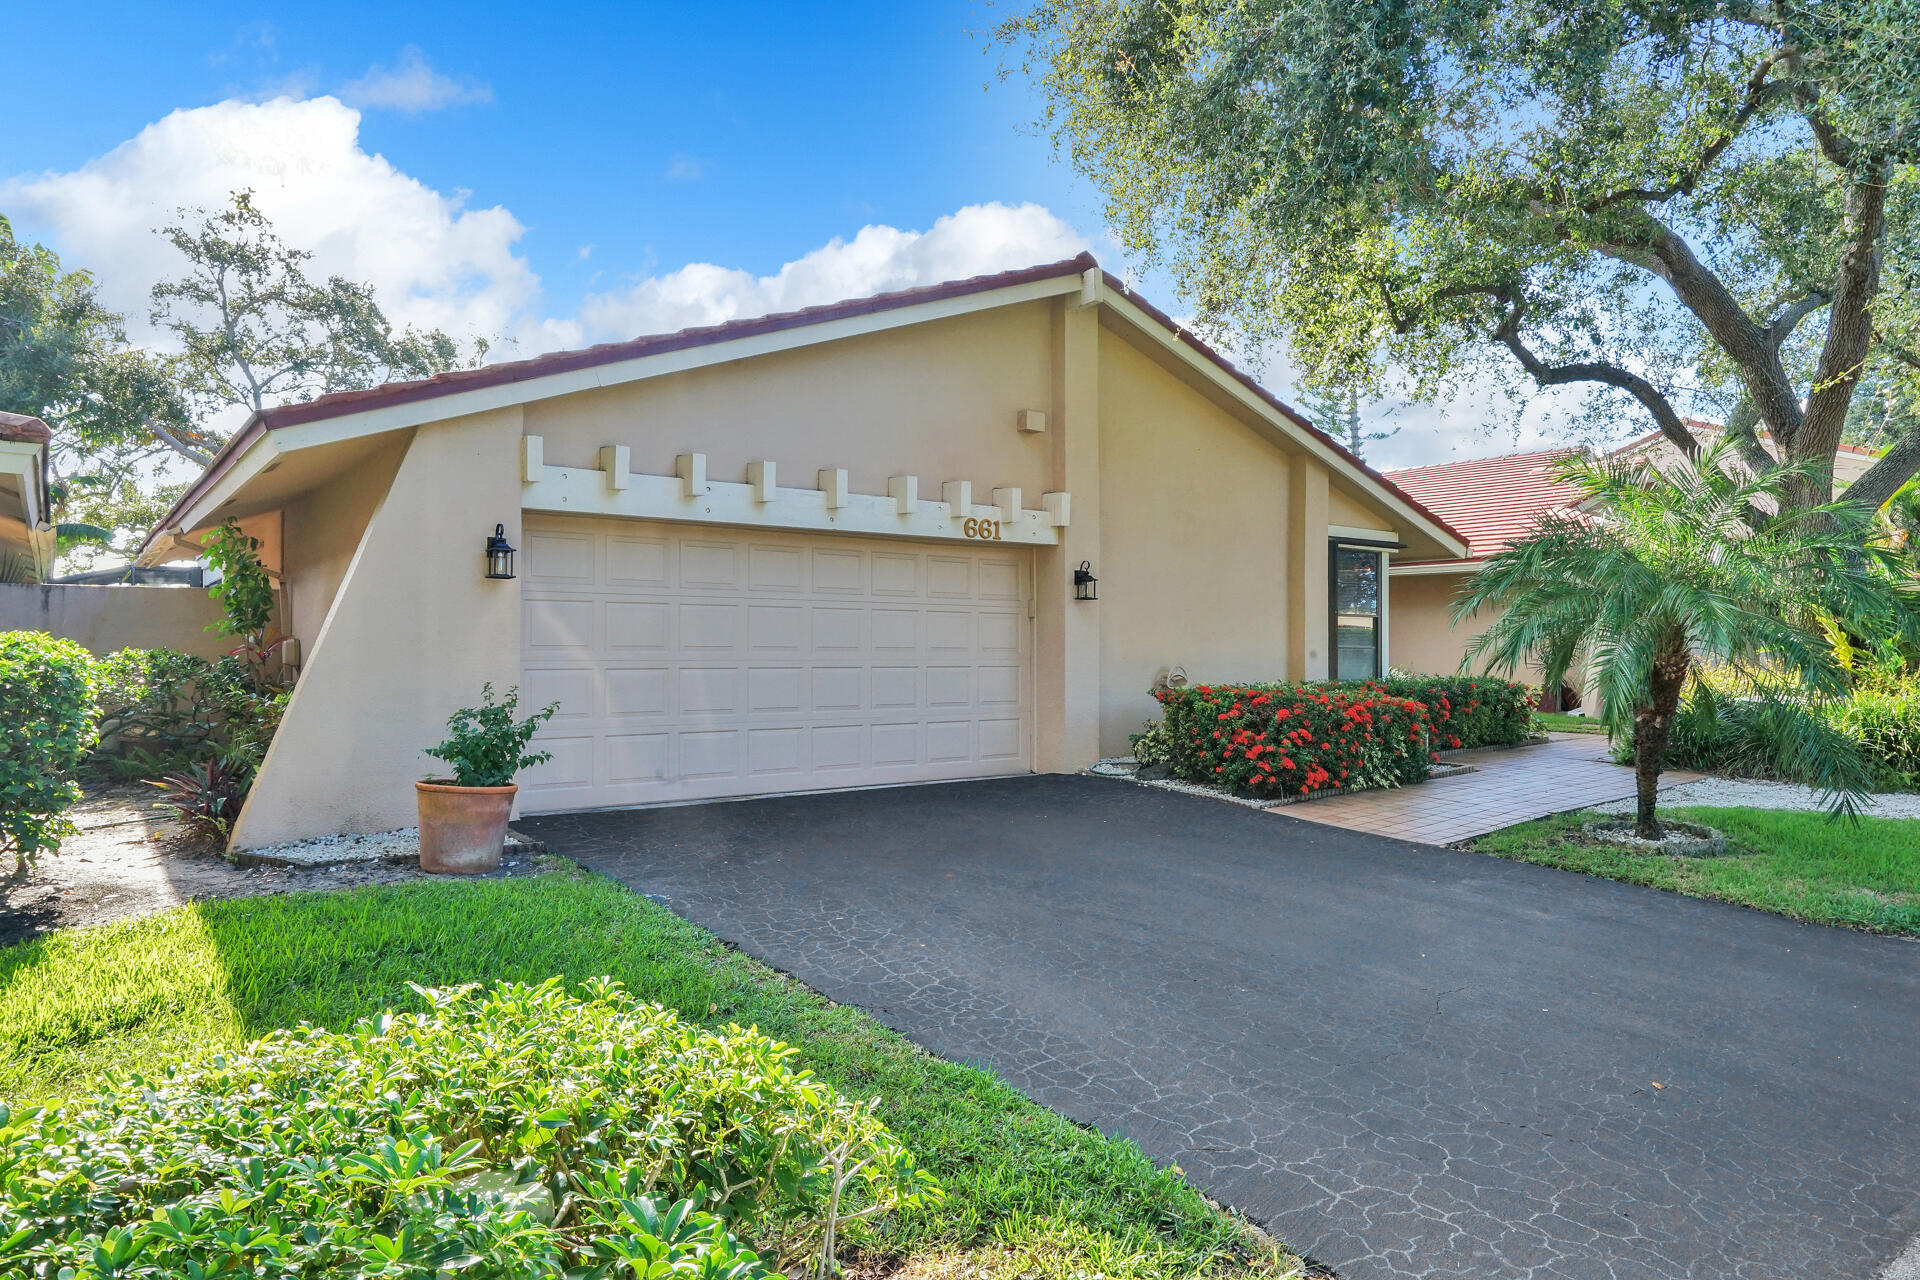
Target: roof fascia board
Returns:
[259, 454]
[26, 459]
[1427, 567]
[1170, 340]
[462, 403]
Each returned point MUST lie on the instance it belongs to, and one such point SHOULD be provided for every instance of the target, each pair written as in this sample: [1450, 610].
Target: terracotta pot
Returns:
[462, 829]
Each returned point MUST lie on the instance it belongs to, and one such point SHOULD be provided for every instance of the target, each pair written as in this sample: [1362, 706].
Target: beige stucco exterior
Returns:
[1421, 634]
[1203, 511]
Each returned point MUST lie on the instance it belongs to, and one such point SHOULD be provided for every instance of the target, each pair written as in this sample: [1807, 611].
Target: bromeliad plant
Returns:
[1669, 571]
[519, 1132]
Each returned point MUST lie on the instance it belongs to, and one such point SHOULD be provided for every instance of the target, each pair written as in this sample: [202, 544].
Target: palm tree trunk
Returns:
[1652, 731]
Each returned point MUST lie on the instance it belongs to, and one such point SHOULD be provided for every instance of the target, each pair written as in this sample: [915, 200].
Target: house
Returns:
[952, 532]
[27, 540]
[1493, 502]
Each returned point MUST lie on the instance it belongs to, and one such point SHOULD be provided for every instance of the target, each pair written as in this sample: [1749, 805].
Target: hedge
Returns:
[1470, 711]
[46, 706]
[1303, 739]
[1289, 740]
[515, 1133]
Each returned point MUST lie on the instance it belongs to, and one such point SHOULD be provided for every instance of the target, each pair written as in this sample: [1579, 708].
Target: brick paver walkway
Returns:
[1517, 784]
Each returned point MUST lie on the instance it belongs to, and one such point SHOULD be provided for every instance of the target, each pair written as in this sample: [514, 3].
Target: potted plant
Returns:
[463, 819]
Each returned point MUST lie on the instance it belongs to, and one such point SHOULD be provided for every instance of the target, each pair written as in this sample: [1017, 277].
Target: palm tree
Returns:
[1658, 574]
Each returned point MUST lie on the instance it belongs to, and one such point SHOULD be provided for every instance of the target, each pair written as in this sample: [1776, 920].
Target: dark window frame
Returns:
[1380, 549]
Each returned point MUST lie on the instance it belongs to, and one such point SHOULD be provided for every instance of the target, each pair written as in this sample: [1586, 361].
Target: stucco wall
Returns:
[1420, 635]
[412, 633]
[104, 618]
[935, 400]
[320, 531]
[1194, 550]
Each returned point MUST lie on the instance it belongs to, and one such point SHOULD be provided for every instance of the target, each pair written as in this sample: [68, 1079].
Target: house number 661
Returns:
[987, 529]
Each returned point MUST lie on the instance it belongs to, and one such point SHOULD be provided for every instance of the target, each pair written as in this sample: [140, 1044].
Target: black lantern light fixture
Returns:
[499, 554]
[1085, 585]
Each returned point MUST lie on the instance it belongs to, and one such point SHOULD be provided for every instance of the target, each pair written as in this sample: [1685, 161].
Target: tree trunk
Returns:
[1652, 731]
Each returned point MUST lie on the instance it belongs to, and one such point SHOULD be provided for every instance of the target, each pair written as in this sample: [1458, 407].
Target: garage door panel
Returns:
[693, 663]
[636, 691]
[635, 624]
[838, 688]
[776, 689]
[637, 562]
[777, 569]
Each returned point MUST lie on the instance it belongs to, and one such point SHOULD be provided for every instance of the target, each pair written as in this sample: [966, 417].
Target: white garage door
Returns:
[693, 661]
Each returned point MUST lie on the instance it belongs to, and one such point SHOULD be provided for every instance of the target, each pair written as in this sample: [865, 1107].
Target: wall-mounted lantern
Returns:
[499, 554]
[1085, 585]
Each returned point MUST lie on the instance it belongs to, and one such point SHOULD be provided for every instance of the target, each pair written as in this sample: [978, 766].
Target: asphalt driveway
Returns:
[1407, 1060]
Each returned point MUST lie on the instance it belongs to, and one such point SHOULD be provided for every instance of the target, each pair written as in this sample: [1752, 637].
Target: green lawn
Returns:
[1029, 1192]
[1797, 864]
[1561, 722]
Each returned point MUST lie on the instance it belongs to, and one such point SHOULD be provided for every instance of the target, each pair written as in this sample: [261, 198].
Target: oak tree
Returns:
[1676, 204]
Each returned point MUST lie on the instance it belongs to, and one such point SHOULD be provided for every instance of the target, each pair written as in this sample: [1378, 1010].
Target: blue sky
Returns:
[562, 174]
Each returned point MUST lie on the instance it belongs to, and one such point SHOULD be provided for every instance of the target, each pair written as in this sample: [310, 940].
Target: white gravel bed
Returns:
[400, 844]
[1746, 793]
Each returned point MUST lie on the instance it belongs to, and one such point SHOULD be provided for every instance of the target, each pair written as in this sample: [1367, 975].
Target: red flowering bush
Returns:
[1286, 740]
[1469, 711]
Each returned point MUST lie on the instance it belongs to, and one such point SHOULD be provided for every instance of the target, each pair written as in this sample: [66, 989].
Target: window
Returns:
[1356, 582]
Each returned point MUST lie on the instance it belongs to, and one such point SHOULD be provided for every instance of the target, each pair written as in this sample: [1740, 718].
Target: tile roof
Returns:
[343, 403]
[1490, 501]
[18, 426]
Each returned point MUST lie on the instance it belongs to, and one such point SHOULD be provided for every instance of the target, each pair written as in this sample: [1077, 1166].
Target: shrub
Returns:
[1151, 746]
[245, 591]
[1885, 721]
[1470, 711]
[515, 1132]
[47, 710]
[166, 712]
[486, 746]
[1286, 740]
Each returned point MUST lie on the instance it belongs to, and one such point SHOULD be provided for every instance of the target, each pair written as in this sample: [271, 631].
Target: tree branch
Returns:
[178, 445]
[1849, 324]
[1508, 333]
[1782, 326]
[1759, 89]
[1896, 466]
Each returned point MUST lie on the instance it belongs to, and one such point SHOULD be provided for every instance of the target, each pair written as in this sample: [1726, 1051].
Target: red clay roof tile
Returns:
[1491, 501]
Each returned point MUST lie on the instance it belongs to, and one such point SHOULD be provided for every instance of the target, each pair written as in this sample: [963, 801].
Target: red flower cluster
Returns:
[1282, 740]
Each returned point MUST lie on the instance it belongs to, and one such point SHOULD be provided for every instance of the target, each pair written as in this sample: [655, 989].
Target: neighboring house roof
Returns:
[574, 370]
[25, 535]
[1491, 501]
[19, 427]
[1850, 461]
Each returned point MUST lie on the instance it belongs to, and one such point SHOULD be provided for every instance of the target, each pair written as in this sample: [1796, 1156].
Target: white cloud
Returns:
[977, 239]
[432, 261]
[412, 86]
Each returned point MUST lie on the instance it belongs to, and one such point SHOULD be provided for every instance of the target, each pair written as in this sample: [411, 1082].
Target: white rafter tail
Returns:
[958, 495]
[533, 459]
[1059, 508]
[1008, 500]
[616, 463]
[760, 478]
[692, 470]
[833, 483]
[905, 492]
[1092, 286]
[1033, 421]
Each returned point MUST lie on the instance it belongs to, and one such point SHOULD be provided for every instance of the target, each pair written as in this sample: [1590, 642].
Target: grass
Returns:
[1796, 864]
[1030, 1193]
[1561, 722]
